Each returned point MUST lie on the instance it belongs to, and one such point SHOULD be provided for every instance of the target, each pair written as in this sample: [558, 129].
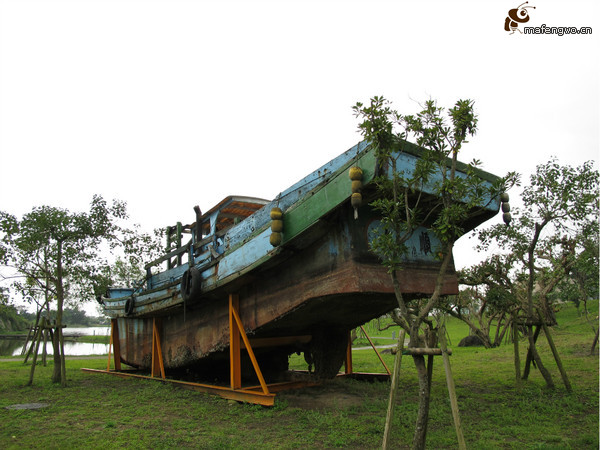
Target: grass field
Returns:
[100, 411]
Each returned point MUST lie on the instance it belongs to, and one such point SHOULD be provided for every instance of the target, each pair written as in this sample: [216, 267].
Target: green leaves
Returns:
[377, 125]
[562, 193]
[58, 252]
[558, 201]
[549, 237]
[440, 135]
[464, 120]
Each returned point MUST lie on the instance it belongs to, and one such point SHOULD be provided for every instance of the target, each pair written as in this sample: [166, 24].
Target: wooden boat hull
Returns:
[332, 286]
[303, 295]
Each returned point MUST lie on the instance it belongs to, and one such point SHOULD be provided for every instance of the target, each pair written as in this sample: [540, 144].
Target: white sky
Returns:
[168, 104]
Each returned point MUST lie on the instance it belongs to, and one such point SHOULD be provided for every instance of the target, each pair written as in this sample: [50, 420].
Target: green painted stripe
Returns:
[325, 197]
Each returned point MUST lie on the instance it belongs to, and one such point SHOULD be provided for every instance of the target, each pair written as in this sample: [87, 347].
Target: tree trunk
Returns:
[56, 349]
[485, 338]
[515, 331]
[424, 397]
[44, 351]
[439, 282]
[498, 326]
[547, 312]
[530, 316]
[500, 337]
[59, 374]
[63, 368]
[403, 318]
[529, 356]
[56, 372]
[536, 357]
[595, 342]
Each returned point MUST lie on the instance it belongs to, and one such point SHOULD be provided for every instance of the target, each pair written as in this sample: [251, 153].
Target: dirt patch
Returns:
[28, 406]
[329, 396]
[582, 349]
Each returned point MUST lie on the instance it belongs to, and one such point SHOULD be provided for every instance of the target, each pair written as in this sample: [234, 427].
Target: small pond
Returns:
[14, 347]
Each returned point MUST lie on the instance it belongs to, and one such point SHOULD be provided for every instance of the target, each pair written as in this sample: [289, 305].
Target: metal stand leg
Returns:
[348, 362]
[236, 330]
[115, 344]
[157, 358]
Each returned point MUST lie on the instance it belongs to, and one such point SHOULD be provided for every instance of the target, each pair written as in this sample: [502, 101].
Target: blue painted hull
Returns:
[322, 276]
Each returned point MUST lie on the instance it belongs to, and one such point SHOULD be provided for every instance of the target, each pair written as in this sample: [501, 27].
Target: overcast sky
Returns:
[169, 104]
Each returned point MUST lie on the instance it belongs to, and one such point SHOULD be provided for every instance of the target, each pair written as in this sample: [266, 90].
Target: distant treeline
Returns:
[18, 319]
[10, 320]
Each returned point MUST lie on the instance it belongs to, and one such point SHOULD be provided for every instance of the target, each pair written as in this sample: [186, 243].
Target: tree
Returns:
[581, 283]
[3, 296]
[10, 319]
[56, 254]
[404, 206]
[545, 242]
[126, 271]
[492, 297]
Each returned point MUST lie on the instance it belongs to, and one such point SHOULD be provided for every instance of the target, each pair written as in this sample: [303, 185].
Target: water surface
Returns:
[14, 347]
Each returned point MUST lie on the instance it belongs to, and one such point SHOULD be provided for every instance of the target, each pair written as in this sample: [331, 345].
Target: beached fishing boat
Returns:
[298, 270]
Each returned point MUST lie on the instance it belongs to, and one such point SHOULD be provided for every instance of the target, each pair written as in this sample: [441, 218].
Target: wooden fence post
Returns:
[561, 369]
[36, 340]
[451, 390]
[393, 390]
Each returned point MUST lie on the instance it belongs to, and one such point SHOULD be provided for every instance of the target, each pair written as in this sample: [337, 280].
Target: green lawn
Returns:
[101, 411]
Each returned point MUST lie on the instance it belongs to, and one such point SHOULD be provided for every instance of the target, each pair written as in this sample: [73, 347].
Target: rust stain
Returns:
[334, 280]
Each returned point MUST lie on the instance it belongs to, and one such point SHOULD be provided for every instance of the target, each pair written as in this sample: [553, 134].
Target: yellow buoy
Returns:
[275, 239]
[355, 173]
[277, 226]
[356, 199]
[276, 214]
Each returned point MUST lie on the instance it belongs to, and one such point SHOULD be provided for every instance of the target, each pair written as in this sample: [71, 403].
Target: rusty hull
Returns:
[332, 282]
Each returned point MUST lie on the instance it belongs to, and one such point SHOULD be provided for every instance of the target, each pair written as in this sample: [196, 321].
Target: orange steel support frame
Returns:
[263, 394]
[236, 330]
[114, 343]
[348, 362]
[157, 359]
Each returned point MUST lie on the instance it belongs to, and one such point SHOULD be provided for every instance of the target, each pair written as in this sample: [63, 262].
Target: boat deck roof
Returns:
[231, 208]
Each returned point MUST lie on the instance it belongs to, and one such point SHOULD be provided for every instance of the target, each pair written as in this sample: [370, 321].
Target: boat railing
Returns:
[203, 253]
[199, 248]
[205, 246]
[178, 253]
